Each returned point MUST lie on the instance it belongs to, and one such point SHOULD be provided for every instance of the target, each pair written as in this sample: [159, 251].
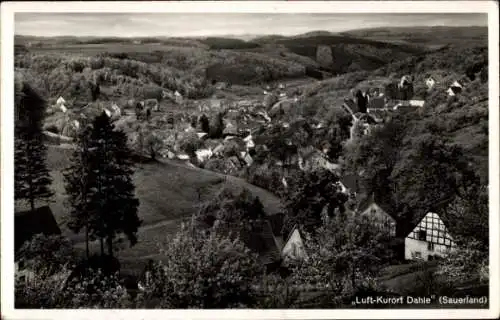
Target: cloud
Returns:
[178, 24]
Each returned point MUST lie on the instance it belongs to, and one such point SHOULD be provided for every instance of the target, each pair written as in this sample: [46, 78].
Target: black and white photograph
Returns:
[281, 157]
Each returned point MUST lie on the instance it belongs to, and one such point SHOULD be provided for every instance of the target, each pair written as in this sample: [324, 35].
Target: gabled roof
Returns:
[29, 223]
[263, 243]
[277, 222]
[371, 199]
[350, 181]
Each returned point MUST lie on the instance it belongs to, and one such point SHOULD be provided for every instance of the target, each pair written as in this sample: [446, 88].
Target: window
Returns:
[418, 255]
[430, 246]
[422, 235]
[20, 264]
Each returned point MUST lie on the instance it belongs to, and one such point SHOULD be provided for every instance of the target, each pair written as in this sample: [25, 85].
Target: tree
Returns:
[31, 175]
[343, 255]
[203, 270]
[204, 123]
[47, 255]
[116, 202]
[216, 126]
[309, 194]
[468, 216]
[153, 145]
[80, 188]
[112, 207]
[231, 212]
[468, 261]
[95, 290]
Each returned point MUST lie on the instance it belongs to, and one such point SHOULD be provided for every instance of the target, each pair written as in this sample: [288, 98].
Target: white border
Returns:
[7, 27]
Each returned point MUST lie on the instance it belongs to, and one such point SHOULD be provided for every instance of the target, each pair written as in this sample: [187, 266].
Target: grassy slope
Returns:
[168, 193]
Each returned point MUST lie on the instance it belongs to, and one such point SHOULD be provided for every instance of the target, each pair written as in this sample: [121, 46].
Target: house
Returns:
[26, 225]
[249, 142]
[417, 103]
[202, 135]
[263, 242]
[234, 162]
[203, 155]
[430, 82]
[178, 97]
[349, 185]
[218, 150]
[310, 159]
[108, 112]
[405, 80]
[60, 101]
[247, 158]
[379, 212]
[376, 103]
[230, 130]
[183, 156]
[63, 108]
[152, 104]
[294, 248]
[428, 239]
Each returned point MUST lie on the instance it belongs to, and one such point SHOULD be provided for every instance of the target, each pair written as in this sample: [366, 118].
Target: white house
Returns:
[430, 82]
[430, 238]
[249, 142]
[63, 108]
[60, 101]
[203, 154]
[178, 97]
[417, 103]
[454, 89]
[247, 158]
[294, 248]
[183, 156]
[201, 135]
[108, 112]
[116, 110]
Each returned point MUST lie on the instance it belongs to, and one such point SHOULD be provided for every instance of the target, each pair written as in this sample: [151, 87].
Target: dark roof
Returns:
[263, 243]
[276, 221]
[369, 119]
[455, 89]
[29, 223]
[350, 181]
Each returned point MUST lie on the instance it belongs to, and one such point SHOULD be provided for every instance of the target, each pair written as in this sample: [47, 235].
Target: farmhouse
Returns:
[294, 248]
[428, 239]
[377, 211]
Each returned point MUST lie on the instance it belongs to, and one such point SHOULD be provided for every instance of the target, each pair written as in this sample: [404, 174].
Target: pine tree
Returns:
[114, 200]
[32, 178]
[80, 187]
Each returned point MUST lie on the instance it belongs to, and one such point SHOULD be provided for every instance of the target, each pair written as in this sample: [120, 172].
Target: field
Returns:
[168, 194]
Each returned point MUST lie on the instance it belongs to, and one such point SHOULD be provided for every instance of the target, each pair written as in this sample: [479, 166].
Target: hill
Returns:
[431, 37]
[169, 192]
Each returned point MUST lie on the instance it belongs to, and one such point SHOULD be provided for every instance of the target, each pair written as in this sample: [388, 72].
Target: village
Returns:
[243, 123]
[311, 170]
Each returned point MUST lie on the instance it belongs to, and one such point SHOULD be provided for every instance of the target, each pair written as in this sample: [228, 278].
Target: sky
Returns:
[216, 24]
